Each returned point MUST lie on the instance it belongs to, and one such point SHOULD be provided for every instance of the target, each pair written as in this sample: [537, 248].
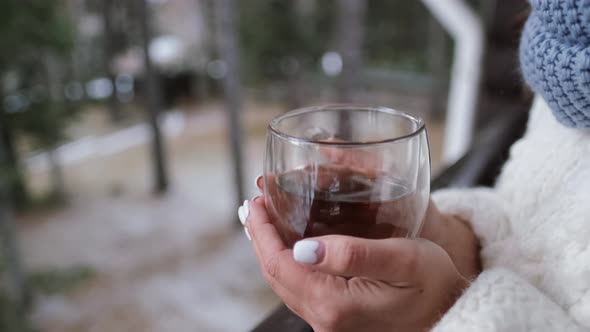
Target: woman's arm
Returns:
[499, 300]
[482, 208]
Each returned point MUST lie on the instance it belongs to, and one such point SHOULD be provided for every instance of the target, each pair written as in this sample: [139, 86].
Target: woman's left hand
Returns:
[341, 283]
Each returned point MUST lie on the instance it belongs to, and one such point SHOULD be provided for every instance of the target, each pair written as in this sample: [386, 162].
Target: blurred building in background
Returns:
[129, 130]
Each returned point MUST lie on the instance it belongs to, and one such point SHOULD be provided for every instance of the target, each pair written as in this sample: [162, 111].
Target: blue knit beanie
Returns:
[555, 57]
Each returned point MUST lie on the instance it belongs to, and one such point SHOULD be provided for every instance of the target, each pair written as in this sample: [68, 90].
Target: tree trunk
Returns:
[295, 92]
[8, 240]
[55, 87]
[294, 62]
[58, 187]
[227, 49]
[15, 182]
[350, 33]
[153, 104]
[109, 50]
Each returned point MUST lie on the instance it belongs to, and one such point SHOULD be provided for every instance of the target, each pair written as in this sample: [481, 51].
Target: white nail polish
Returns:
[305, 251]
[247, 234]
[241, 215]
[246, 209]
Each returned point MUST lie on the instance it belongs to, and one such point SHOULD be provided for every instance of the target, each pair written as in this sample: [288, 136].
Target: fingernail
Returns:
[307, 251]
[246, 206]
[258, 182]
[243, 214]
[247, 234]
[255, 198]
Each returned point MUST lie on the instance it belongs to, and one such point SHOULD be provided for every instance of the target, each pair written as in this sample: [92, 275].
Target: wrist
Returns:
[455, 236]
[463, 247]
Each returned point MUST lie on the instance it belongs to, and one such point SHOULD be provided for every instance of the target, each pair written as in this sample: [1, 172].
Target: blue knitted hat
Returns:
[555, 57]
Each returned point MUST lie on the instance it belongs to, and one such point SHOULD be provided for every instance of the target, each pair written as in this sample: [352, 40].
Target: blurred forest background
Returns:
[130, 130]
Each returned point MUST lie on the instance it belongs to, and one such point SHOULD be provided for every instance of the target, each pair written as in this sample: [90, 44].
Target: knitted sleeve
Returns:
[482, 207]
[499, 300]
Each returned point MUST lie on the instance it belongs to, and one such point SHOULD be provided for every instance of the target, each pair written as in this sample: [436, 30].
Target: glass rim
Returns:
[312, 109]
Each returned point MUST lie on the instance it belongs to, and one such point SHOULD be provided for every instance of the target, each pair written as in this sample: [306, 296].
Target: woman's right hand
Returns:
[450, 233]
[393, 284]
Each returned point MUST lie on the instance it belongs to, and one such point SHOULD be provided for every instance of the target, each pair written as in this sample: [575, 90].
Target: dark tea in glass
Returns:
[371, 185]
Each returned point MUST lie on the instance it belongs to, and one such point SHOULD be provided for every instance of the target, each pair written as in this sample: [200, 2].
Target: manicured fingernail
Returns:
[255, 198]
[243, 214]
[258, 182]
[307, 251]
[246, 206]
[247, 233]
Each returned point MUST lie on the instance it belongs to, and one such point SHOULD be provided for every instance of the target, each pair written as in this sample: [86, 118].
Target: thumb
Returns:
[395, 259]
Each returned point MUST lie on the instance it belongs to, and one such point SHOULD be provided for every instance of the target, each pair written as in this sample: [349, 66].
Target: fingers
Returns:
[259, 183]
[402, 261]
[352, 157]
[368, 231]
[260, 225]
[261, 229]
[291, 280]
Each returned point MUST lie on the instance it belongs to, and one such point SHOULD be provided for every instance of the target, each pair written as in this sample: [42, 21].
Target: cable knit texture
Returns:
[534, 227]
[555, 57]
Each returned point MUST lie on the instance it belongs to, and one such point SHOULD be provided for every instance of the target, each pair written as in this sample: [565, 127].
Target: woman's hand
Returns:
[455, 237]
[340, 283]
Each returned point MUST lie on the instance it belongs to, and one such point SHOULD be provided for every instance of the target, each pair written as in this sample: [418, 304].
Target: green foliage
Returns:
[45, 122]
[396, 34]
[58, 281]
[26, 26]
[31, 31]
[278, 41]
[274, 32]
[12, 317]
[13, 314]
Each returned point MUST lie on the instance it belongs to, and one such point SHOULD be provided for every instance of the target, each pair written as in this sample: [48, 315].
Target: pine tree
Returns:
[34, 35]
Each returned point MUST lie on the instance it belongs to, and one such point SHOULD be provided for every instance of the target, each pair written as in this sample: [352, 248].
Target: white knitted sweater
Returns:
[534, 228]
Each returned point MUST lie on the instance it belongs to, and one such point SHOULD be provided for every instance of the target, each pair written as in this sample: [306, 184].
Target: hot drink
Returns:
[362, 171]
[335, 199]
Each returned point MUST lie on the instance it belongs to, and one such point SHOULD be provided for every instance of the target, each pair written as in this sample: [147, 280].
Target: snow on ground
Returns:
[174, 263]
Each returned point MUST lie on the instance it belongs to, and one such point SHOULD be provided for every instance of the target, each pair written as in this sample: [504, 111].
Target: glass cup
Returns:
[344, 169]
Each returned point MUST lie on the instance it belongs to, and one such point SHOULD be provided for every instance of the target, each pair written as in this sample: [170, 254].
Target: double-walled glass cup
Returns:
[345, 169]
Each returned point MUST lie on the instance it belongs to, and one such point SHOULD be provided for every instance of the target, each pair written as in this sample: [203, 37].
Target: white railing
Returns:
[466, 29]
